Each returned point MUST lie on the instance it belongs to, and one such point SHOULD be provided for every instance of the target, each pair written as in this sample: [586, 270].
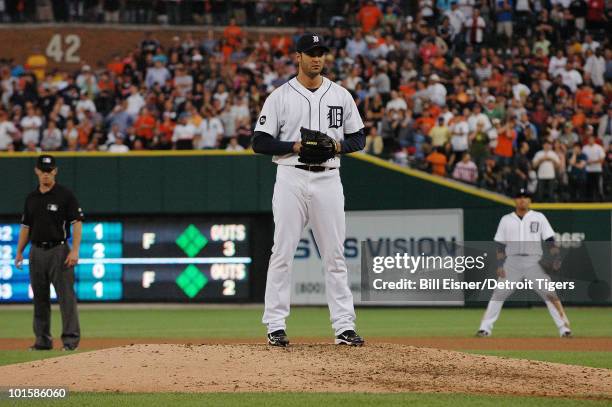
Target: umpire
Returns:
[48, 213]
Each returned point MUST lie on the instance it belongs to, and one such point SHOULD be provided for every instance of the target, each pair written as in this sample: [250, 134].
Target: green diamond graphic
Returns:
[191, 241]
[191, 281]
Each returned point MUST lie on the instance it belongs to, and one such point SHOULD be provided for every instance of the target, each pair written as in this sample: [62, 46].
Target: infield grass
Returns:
[305, 399]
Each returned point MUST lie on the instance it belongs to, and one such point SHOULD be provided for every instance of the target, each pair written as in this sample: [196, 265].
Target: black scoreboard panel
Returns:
[186, 259]
[147, 259]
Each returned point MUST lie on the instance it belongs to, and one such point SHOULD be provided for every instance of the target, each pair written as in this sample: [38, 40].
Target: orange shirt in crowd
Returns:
[438, 163]
[578, 119]
[434, 111]
[281, 43]
[108, 85]
[232, 35]
[116, 67]
[369, 16]
[505, 139]
[438, 62]
[144, 126]
[584, 98]
[407, 91]
[84, 130]
[165, 130]
[425, 123]
[496, 80]
[226, 50]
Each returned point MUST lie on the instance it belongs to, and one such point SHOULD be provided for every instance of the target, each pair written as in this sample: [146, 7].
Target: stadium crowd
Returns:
[504, 95]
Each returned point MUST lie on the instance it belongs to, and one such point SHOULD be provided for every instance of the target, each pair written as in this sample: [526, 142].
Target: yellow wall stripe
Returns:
[468, 189]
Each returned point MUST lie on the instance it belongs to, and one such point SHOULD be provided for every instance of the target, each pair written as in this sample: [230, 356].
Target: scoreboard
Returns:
[146, 259]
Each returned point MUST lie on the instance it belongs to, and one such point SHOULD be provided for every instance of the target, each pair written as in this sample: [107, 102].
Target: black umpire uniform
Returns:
[49, 212]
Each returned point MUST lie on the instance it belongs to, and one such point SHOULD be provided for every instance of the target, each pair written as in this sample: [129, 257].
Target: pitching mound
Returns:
[310, 367]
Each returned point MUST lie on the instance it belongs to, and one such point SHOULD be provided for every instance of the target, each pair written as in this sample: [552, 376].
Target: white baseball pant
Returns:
[302, 197]
[520, 268]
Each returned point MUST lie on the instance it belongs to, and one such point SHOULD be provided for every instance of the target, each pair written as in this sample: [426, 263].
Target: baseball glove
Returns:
[551, 259]
[316, 148]
[550, 265]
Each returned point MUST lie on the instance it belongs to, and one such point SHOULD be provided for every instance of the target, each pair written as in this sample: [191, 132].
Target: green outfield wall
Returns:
[210, 182]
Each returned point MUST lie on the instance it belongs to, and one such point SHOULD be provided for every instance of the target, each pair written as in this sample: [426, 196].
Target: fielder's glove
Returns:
[316, 148]
[551, 259]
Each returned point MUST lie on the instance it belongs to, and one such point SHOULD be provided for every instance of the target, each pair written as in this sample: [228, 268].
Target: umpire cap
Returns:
[310, 41]
[46, 163]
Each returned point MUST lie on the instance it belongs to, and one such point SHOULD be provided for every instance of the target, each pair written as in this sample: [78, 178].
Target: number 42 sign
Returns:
[64, 49]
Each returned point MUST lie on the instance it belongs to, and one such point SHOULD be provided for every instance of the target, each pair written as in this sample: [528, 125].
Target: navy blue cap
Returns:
[522, 193]
[310, 41]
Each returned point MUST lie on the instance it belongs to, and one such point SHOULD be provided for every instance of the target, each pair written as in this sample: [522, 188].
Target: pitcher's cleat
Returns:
[278, 338]
[350, 338]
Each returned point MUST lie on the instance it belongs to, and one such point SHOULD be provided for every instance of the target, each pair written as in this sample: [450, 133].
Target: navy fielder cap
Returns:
[522, 193]
[46, 163]
[310, 41]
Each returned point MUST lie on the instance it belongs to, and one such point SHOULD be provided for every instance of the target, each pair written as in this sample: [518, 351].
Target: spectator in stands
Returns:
[37, 62]
[184, 134]
[135, 102]
[374, 143]
[210, 131]
[51, 138]
[577, 174]
[474, 27]
[233, 145]
[418, 64]
[370, 16]
[546, 162]
[157, 74]
[459, 136]
[30, 127]
[8, 132]
[466, 170]
[604, 127]
[144, 126]
[595, 156]
[440, 133]
[437, 162]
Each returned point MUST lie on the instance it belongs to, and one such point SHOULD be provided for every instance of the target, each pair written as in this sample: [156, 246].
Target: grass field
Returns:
[305, 400]
[308, 322]
[244, 323]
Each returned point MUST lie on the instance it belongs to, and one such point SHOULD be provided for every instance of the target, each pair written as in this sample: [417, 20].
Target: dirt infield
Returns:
[306, 367]
[557, 344]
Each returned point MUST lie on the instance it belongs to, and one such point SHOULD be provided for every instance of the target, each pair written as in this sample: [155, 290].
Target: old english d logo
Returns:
[335, 117]
[534, 227]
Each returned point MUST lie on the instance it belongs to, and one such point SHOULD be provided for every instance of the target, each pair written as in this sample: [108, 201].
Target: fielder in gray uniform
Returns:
[305, 125]
[49, 212]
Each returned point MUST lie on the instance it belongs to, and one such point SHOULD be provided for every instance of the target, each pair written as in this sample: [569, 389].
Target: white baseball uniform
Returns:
[523, 238]
[302, 197]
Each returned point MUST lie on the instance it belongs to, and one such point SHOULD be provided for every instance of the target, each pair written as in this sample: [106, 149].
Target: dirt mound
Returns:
[308, 367]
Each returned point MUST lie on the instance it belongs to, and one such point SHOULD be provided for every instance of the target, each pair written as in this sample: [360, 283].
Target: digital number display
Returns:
[190, 260]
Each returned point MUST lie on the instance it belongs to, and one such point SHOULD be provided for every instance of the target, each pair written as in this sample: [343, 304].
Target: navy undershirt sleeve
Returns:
[353, 142]
[264, 143]
[550, 239]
